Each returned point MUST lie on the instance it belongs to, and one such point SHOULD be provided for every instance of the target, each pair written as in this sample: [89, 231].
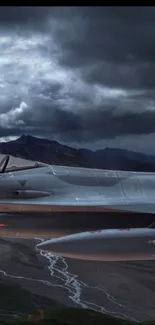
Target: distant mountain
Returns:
[53, 152]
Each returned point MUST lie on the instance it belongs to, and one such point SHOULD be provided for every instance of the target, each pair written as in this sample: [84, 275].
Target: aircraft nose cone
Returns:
[79, 246]
[56, 245]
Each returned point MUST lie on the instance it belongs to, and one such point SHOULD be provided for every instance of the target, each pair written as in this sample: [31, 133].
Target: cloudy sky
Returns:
[84, 76]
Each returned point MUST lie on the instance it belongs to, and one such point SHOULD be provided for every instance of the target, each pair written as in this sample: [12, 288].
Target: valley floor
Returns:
[126, 290]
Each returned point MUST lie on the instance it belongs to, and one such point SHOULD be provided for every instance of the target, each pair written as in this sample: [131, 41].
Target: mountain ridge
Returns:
[52, 152]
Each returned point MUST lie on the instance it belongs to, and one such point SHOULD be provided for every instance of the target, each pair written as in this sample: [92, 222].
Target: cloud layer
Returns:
[78, 74]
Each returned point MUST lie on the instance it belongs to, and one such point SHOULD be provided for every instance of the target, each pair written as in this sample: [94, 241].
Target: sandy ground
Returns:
[122, 289]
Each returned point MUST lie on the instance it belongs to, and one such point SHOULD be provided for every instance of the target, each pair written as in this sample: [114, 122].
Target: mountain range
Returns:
[52, 152]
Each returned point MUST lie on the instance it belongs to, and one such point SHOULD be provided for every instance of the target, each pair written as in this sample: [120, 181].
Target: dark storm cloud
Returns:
[86, 126]
[115, 46]
[113, 34]
[77, 73]
[89, 127]
[102, 124]
[10, 16]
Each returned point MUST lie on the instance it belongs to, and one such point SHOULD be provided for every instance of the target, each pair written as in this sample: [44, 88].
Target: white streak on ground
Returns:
[75, 286]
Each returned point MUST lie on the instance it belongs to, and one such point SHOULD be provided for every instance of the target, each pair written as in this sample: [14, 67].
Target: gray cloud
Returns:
[77, 74]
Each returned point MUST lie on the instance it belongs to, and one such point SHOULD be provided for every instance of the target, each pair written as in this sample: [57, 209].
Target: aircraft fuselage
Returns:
[60, 189]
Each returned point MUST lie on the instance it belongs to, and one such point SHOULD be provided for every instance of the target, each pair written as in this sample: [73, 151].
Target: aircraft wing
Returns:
[37, 187]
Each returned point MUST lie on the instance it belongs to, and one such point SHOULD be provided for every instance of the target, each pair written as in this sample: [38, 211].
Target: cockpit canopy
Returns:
[11, 164]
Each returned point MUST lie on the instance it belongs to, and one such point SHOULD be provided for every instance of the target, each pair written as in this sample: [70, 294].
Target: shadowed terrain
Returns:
[124, 290]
